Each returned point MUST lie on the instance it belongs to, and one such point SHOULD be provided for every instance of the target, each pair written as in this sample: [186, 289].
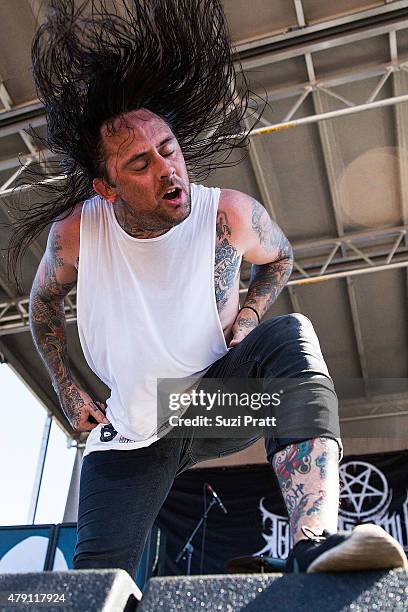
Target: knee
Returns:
[298, 319]
[292, 337]
[292, 324]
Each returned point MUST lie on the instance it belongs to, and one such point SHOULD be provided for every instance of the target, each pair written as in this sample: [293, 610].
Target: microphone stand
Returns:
[188, 548]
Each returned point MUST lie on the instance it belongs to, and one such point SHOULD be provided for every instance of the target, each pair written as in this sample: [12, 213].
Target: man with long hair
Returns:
[143, 100]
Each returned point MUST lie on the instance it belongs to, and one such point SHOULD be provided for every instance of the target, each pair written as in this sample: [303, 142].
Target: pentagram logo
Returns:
[363, 491]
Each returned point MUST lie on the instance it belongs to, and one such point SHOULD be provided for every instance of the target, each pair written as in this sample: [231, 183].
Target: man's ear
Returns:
[107, 192]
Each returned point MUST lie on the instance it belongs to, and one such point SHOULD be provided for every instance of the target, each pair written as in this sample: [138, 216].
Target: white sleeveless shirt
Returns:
[146, 309]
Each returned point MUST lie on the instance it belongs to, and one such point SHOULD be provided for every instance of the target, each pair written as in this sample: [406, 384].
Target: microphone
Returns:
[217, 499]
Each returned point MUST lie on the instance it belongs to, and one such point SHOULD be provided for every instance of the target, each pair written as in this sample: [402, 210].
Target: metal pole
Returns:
[298, 103]
[40, 469]
[16, 174]
[300, 14]
[335, 95]
[71, 504]
[294, 34]
[381, 84]
[54, 179]
[325, 277]
[279, 127]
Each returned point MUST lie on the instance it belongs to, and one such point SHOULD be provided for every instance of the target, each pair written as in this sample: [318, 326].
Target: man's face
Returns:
[144, 161]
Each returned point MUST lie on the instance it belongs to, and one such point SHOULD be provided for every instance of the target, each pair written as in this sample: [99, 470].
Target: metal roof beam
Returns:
[27, 110]
[278, 127]
[315, 261]
[294, 299]
[334, 167]
[15, 175]
[13, 321]
[10, 127]
[374, 22]
[342, 112]
[34, 247]
[374, 14]
[4, 96]
[300, 14]
[23, 124]
[15, 162]
[8, 104]
[320, 37]
[350, 77]
[254, 157]
[399, 83]
[260, 180]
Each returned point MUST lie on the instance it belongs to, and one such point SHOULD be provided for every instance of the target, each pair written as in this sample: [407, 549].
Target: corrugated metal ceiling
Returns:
[325, 180]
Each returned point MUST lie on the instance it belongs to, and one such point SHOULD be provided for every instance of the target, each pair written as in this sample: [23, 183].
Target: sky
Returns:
[23, 420]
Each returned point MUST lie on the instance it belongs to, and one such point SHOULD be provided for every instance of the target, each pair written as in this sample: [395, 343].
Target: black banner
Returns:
[374, 489]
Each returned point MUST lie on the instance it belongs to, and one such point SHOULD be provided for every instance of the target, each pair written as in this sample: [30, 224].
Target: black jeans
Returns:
[122, 491]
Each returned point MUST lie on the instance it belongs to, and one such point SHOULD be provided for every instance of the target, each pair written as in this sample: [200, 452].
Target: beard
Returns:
[148, 224]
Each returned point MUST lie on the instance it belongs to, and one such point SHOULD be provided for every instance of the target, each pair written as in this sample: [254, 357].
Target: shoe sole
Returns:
[369, 547]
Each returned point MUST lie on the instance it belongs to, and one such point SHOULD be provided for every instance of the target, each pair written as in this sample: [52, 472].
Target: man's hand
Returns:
[80, 409]
[245, 322]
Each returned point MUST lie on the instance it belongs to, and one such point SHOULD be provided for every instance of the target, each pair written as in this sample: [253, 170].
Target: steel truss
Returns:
[287, 122]
[14, 313]
[30, 148]
[319, 93]
[349, 255]
[315, 261]
[303, 40]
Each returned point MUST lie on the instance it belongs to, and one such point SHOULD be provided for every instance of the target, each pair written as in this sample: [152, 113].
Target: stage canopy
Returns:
[331, 167]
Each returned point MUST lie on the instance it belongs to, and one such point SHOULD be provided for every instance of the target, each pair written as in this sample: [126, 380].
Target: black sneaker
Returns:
[367, 547]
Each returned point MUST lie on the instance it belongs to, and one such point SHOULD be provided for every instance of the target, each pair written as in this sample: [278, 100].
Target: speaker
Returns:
[74, 591]
[362, 591]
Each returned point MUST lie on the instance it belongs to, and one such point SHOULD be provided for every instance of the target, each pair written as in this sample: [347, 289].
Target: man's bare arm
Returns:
[267, 278]
[262, 243]
[56, 276]
[54, 279]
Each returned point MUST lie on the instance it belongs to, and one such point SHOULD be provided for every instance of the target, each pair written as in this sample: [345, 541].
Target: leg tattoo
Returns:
[308, 477]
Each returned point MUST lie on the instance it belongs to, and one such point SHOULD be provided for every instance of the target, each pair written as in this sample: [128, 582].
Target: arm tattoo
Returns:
[227, 261]
[47, 316]
[246, 322]
[72, 404]
[268, 233]
[268, 280]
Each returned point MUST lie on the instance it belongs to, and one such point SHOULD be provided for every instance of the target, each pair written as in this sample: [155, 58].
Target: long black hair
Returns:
[92, 64]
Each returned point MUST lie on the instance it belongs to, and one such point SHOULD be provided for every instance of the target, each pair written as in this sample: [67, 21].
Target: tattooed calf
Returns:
[295, 458]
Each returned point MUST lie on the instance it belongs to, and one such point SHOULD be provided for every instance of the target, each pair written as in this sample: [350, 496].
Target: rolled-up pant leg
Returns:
[294, 362]
[284, 354]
